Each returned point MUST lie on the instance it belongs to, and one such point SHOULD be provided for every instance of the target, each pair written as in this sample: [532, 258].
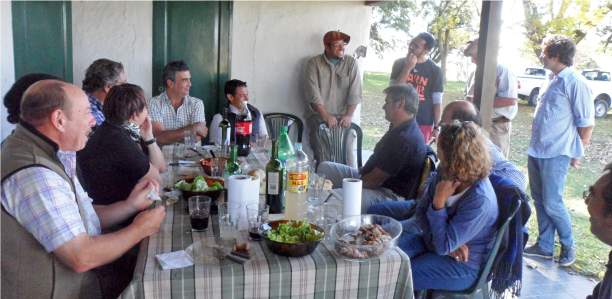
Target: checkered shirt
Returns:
[96, 109]
[43, 202]
[564, 105]
[189, 113]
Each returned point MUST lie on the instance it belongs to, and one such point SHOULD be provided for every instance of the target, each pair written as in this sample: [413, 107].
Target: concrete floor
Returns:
[549, 281]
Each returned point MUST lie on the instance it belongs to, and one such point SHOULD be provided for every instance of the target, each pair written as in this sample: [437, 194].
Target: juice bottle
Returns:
[296, 197]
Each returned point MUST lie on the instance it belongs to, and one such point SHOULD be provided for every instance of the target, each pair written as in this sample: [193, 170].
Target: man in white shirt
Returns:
[174, 111]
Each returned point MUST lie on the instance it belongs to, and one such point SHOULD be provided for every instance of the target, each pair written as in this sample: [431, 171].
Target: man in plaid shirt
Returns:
[174, 111]
[46, 214]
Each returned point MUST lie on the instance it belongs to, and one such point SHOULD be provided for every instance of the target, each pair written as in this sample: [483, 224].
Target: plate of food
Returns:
[366, 237]
[214, 251]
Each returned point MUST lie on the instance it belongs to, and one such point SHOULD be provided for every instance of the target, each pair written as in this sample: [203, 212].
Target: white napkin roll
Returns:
[351, 194]
[243, 190]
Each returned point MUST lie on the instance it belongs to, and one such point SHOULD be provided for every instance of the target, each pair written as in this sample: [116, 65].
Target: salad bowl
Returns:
[212, 194]
[291, 249]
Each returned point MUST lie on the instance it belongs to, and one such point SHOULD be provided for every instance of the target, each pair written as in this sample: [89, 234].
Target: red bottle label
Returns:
[243, 128]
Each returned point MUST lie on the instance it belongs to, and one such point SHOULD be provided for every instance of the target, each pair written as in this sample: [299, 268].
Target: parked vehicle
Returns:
[601, 85]
[529, 84]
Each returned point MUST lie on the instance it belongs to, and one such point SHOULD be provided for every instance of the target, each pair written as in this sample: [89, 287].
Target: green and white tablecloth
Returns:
[323, 274]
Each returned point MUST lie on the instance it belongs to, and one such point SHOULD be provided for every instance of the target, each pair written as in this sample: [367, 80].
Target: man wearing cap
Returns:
[333, 89]
[504, 104]
[426, 77]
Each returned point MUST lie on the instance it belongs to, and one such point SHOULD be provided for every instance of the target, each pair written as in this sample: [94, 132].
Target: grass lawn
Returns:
[591, 253]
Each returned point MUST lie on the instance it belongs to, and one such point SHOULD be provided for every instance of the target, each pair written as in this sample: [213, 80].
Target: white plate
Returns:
[204, 252]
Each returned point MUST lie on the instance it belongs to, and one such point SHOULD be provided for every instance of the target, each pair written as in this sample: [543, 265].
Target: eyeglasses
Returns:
[337, 44]
[454, 133]
[586, 194]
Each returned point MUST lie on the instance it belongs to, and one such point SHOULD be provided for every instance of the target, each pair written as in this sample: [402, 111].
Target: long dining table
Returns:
[322, 274]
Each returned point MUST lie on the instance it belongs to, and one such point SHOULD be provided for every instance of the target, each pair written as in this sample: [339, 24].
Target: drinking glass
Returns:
[190, 138]
[229, 215]
[199, 211]
[217, 167]
[325, 216]
[316, 188]
[257, 214]
[260, 146]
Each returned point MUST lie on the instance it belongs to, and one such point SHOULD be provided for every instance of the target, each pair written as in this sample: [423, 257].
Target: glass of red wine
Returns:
[257, 214]
[199, 212]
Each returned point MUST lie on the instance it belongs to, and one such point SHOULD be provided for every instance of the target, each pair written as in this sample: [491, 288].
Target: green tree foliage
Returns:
[395, 15]
[568, 17]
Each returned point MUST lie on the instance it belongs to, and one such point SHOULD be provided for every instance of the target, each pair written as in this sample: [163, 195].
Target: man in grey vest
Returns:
[51, 232]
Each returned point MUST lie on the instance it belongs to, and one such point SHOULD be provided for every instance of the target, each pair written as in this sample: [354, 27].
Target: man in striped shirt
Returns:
[562, 126]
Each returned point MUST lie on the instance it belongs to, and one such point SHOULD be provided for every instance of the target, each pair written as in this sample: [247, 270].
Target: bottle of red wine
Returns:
[244, 128]
[274, 181]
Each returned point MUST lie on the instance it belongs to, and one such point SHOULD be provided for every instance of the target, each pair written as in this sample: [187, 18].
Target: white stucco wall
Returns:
[119, 31]
[272, 41]
[7, 62]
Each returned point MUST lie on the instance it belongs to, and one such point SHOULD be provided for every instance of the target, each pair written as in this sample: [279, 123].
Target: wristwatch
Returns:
[437, 128]
[151, 141]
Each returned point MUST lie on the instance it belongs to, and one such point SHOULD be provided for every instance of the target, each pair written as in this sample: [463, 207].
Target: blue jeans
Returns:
[433, 271]
[547, 180]
[337, 172]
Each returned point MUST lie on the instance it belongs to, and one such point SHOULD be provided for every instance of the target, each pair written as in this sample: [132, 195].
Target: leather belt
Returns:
[501, 119]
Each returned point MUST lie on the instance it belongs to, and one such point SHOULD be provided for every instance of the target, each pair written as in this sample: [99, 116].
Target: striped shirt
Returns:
[43, 202]
[189, 113]
[565, 104]
[96, 110]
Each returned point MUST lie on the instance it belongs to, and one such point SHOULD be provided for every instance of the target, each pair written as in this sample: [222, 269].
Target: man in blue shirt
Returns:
[100, 77]
[562, 126]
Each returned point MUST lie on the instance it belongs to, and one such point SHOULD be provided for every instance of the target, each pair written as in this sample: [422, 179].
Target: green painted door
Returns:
[197, 32]
[42, 38]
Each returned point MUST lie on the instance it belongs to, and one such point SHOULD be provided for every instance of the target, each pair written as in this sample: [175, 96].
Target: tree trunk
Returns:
[444, 54]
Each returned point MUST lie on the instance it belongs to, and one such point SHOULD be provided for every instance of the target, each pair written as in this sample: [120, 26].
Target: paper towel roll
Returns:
[351, 194]
[244, 190]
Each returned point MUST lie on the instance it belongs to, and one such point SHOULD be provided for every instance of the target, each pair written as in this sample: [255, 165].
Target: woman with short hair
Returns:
[123, 150]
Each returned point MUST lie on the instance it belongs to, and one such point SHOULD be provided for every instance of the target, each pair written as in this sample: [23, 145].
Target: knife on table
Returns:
[231, 257]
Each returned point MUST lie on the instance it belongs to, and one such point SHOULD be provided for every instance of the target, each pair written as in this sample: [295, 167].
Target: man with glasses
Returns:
[426, 77]
[333, 90]
[562, 125]
[100, 76]
[599, 204]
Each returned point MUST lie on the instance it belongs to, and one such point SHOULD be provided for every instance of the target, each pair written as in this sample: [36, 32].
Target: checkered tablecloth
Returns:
[323, 274]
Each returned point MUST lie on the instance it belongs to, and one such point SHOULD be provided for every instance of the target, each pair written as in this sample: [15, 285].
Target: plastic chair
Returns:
[274, 122]
[337, 138]
[482, 285]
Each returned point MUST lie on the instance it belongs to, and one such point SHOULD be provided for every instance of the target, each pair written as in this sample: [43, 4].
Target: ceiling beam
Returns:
[376, 2]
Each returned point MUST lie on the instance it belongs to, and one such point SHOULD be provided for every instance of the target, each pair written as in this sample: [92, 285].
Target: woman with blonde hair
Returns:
[453, 229]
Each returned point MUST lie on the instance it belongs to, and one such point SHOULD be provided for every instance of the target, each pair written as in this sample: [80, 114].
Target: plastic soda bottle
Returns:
[296, 197]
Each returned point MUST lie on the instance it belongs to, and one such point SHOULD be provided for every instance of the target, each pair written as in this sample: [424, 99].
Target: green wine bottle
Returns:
[274, 181]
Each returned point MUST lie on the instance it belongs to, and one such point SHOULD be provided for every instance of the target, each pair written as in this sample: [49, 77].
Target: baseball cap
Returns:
[335, 35]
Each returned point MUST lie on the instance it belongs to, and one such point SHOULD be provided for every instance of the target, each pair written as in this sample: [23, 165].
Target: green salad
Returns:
[294, 232]
[198, 185]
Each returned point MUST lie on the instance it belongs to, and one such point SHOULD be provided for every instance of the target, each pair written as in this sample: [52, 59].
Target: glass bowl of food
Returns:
[366, 237]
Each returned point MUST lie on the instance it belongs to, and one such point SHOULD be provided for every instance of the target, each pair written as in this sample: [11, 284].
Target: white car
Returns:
[601, 85]
[529, 84]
